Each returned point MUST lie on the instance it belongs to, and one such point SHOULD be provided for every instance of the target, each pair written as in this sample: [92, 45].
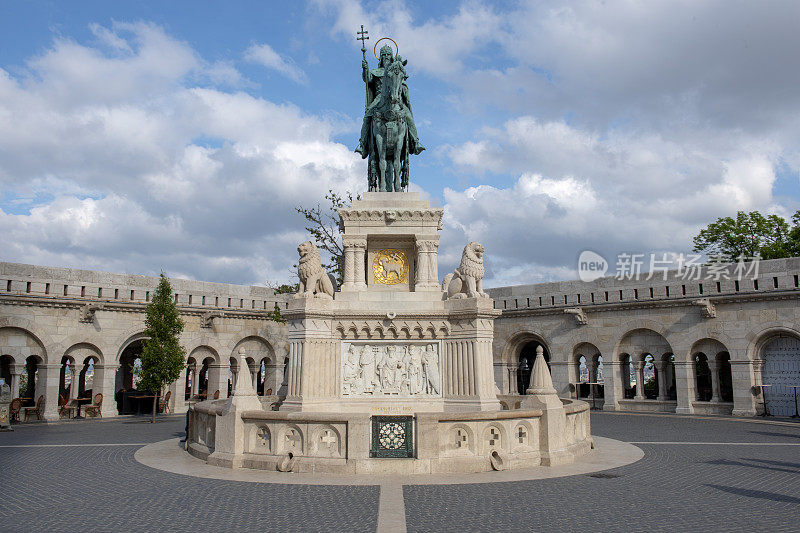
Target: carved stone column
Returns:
[177, 402]
[684, 386]
[253, 369]
[73, 386]
[661, 368]
[16, 372]
[592, 379]
[47, 385]
[359, 248]
[427, 264]
[639, 365]
[217, 380]
[467, 365]
[713, 368]
[743, 372]
[104, 381]
[612, 384]
[349, 276]
[193, 385]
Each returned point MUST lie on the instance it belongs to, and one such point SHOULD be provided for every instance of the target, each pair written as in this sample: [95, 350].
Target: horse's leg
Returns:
[398, 152]
[379, 152]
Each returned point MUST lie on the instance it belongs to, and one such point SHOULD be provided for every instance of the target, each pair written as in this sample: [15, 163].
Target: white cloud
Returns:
[438, 47]
[614, 126]
[130, 166]
[263, 54]
[576, 191]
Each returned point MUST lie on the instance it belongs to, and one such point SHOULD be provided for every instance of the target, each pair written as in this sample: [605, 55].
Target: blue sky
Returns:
[178, 135]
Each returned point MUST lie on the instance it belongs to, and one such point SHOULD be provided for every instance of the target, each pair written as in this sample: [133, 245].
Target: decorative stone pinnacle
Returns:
[541, 381]
[244, 385]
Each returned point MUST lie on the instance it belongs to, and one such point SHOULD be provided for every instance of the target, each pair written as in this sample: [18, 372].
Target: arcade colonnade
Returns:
[714, 348]
[726, 347]
[33, 368]
[66, 332]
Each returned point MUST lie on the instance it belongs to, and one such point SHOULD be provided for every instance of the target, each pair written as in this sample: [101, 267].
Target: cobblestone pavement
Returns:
[719, 485]
[102, 488]
[675, 487]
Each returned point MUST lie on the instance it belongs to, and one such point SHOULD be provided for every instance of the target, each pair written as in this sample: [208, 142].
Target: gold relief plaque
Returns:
[390, 267]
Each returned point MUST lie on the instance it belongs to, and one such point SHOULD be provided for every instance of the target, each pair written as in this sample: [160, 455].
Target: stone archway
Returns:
[262, 369]
[125, 384]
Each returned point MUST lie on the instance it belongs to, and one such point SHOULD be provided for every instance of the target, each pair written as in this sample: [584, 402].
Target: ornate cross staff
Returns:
[363, 37]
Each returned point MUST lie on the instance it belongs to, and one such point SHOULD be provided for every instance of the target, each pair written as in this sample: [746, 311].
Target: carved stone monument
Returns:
[392, 372]
[390, 339]
[388, 131]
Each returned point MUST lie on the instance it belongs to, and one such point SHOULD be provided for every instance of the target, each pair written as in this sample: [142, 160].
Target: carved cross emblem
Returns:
[461, 438]
[292, 439]
[522, 435]
[263, 437]
[494, 437]
[328, 438]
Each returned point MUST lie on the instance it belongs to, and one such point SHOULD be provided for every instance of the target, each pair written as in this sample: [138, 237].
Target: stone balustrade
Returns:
[339, 442]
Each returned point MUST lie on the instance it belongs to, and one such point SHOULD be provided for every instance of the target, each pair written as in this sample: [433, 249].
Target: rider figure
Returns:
[373, 80]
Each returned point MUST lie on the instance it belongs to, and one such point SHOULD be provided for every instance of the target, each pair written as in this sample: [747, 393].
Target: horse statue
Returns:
[390, 132]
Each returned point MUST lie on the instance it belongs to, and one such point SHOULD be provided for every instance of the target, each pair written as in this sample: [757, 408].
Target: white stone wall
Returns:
[103, 313]
[737, 322]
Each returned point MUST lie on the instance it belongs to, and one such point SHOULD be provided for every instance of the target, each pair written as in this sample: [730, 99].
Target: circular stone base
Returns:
[169, 455]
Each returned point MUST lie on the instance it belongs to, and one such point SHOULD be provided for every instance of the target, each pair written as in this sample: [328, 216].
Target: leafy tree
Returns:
[276, 315]
[793, 246]
[750, 235]
[324, 225]
[286, 288]
[162, 356]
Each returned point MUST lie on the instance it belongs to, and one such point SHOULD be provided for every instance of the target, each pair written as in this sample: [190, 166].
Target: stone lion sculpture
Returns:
[314, 280]
[467, 280]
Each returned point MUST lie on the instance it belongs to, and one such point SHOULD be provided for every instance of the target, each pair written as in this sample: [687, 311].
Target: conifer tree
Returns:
[163, 356]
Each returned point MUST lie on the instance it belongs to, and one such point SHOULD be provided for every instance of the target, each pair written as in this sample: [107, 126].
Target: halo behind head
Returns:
[375, 48]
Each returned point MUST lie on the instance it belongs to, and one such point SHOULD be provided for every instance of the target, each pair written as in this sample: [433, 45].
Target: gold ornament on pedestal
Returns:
[390, 267]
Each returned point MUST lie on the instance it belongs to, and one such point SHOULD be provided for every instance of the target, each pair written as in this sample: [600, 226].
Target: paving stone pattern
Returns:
[103, 488]
[674, 487]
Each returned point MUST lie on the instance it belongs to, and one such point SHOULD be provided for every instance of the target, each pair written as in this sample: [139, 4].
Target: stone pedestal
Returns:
[229, 429]
[392, 374]
[389, 341]
[542, 395]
